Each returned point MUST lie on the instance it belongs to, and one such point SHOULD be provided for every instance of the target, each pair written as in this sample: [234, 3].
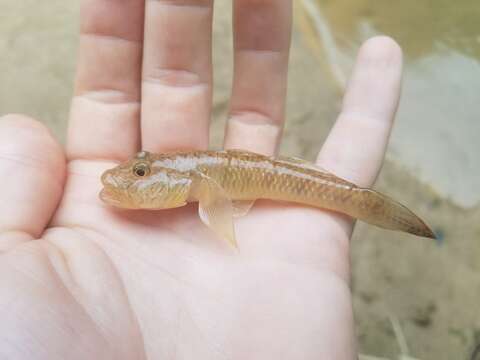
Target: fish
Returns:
[226, 184]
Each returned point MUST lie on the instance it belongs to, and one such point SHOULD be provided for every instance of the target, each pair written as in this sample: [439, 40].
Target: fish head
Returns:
[138, 184]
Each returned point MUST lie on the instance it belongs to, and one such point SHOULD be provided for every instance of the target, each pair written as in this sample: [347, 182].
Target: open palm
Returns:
[79, 280]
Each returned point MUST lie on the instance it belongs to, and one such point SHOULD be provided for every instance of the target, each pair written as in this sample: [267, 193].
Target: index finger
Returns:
[105, 110]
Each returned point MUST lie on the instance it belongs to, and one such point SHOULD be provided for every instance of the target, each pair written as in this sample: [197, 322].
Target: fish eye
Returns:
[141, 169]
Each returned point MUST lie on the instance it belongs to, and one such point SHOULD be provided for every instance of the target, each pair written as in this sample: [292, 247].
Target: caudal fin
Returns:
[387, 213]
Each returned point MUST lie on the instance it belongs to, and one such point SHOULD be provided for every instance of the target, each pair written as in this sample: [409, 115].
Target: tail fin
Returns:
[390, 214]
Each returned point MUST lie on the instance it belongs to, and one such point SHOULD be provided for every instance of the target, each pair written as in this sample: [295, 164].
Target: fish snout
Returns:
[108, 179]
[110, 186]
[107, 196]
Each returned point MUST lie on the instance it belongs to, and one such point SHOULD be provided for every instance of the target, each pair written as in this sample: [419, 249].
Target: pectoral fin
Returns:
[215, 209]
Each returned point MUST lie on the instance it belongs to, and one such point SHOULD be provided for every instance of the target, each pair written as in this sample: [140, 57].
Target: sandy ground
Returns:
[430, 288]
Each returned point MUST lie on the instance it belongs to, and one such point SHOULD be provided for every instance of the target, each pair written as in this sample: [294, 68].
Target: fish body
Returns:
[226, 183]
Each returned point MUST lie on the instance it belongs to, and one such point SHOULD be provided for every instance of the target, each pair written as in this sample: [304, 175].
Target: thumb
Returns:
[32, 173]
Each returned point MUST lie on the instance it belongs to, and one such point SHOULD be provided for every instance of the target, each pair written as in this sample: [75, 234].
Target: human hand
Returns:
[80, 280]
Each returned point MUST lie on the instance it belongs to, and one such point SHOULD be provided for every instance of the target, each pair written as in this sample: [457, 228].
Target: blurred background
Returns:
[412, 297]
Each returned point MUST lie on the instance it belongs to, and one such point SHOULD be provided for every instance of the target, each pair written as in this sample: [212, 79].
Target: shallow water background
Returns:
[429, 291]
[440, 108]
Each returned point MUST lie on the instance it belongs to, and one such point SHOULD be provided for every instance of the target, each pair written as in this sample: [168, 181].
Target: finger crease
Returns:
[264, 52]
[253, 117]
[109, 96]
[173, 78]
[109, 37]
[185, 4]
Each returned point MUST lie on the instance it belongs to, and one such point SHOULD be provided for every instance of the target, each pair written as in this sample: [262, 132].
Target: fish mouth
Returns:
[108, 197]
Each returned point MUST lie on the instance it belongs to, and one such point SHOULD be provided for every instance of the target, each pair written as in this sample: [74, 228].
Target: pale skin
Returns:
[79, 280]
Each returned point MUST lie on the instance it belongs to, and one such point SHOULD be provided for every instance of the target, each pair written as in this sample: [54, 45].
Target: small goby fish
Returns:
[226, 184]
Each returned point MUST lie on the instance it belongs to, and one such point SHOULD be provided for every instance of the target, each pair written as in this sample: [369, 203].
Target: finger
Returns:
[177, 74]
[105, 111]
[32, 169]
[356, 145]
[354, 150]
[262, 41]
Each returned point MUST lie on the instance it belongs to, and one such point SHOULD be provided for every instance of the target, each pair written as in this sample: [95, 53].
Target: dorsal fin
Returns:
[243, 152]
[291, 160]
[299, 162]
